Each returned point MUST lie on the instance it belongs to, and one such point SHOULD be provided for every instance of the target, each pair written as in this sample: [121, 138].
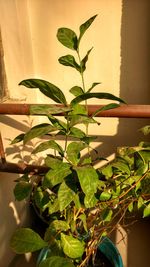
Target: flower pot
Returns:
[106, 248]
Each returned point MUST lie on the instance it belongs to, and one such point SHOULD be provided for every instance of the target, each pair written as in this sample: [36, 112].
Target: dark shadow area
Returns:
[135, 89]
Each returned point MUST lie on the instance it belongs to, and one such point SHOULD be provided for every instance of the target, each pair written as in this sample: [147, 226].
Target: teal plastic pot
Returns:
[111, 252]
[106, 247]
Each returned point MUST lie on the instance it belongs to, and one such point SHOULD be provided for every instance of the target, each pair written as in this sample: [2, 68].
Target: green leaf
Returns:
[145, 130]
[47, 110]
[146, 211]
[130, 207]
[22, 190]
[72, 247]
[79, 119]
[68, 38]
[53, 162]
[56, 176]
[107, 215]
[47, 145]
[48, 89]
[86, 96]
[53, 207]
[88, 179]
[70, 61]
[84, 61]
[60, 125]
[41, 198]
[106, 107]
[90, 201]
[65, 195]
[73, 151]
[104, 196]
[18, 139]
[57, 226]
[82, 217]
[121, 167]
[107, 171]
[26, 240]
[85, 26]
[140, 202]
[76, 90]
[56, 261]
[93, 85]
[77, 133]
[38, 131]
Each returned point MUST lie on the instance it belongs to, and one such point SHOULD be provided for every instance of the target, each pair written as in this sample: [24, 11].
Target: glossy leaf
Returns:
[76, 90]
[53, 162]
[65, 195]
[47, 110]
[72, 247]
[56, 176]
[53, 207]
[60, 125]
[104, 196]
[107, 215]
[70, 61]
[26, 240]
[90, 201]
[122, 167]
[77, 133]
[106, 107]
[88, 179]
[86, 96]
[38, 131]
[85, 26]
[73, 151]
[56, 261]
[22, 190]
[68, 38]
[18, 139]
[146, 211]
[57, 226]
[93, 86]
[84, 61]
[48, 145]
[47, 88]
[79, 119]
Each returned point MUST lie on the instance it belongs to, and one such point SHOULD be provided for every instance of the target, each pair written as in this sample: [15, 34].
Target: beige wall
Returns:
[31, 50]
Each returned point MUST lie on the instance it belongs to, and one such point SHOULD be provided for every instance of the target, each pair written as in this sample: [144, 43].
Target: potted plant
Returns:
[82, 205]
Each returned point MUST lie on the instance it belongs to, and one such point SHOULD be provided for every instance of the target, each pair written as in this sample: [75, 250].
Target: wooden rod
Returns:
[124, 111]
[22, 168]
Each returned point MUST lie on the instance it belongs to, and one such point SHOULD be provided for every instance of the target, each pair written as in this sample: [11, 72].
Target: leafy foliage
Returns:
[81, 202]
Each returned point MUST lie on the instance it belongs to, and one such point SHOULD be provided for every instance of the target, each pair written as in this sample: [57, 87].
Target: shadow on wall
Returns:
[135, 89]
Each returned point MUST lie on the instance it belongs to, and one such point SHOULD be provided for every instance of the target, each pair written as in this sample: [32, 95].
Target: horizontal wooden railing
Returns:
[123, 111]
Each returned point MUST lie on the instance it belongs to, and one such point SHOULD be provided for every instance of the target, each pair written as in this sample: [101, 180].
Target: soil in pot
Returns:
[100, 261]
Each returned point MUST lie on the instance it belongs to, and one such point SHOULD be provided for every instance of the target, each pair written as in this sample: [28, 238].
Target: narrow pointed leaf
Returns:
[84, 61]
[60, 125]
[68, 38]
[93, 85]
[26, 240]
[70, 61]
[56, 261]
[86, 96]
[18, 139]
[47, 88]
[72, 247]
[76, 90]
[38, 131]
[106, 107]
[47, 110]
[77, 133]
[85, 26]
[48, 145]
